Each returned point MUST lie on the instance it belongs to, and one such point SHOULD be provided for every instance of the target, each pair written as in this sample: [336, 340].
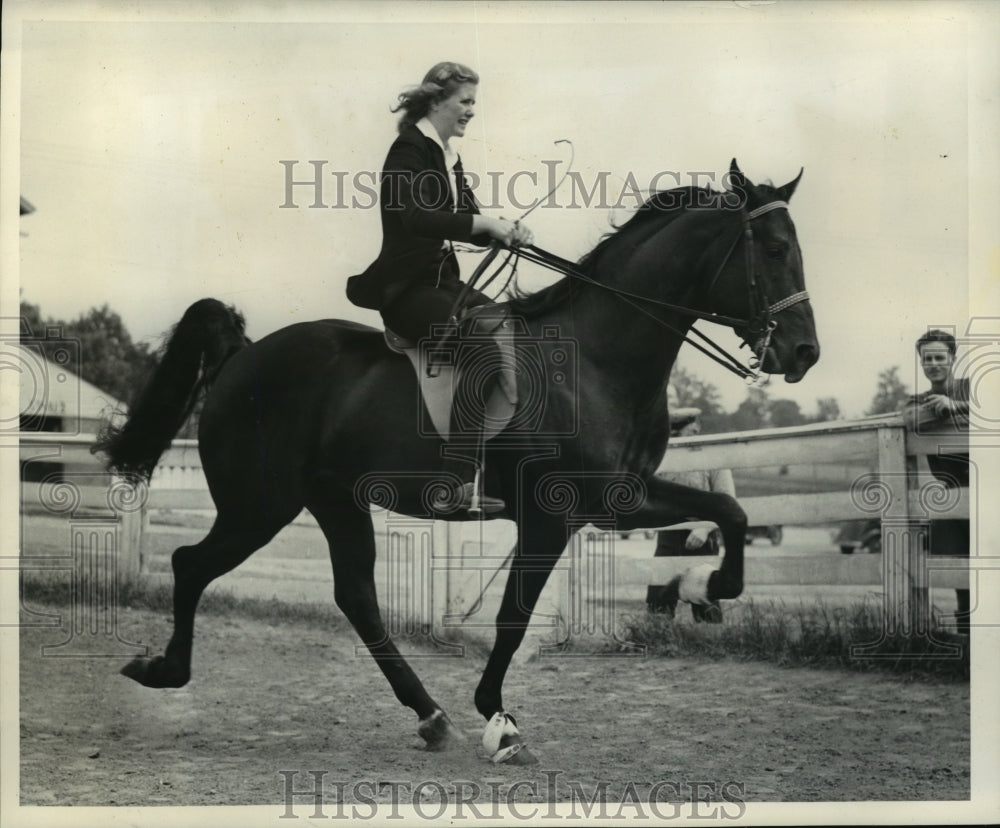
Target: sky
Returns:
[151, 140]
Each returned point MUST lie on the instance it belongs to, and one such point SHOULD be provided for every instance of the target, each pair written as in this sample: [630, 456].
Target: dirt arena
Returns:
[295, 697]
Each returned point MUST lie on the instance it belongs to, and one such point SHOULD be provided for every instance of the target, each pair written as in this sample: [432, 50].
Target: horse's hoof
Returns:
[513, 751]
[153, 672]
[503, 743]
[136, 669]
[709, 613]
[523, 757]
[693, 585]
[438, 731]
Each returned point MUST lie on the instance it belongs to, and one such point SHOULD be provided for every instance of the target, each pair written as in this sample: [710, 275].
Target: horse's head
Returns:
[690, 253]
[756, 275]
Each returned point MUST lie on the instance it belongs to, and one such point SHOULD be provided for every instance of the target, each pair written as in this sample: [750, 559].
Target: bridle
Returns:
[761, 323]
[760, 326]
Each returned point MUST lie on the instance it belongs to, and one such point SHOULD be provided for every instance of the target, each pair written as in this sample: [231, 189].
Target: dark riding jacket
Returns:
[418, 214]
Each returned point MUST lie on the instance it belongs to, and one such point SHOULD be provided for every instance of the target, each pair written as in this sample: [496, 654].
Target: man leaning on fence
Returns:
[944, 409]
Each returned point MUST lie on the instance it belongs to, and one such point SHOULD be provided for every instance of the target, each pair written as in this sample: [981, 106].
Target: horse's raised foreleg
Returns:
[668, 503]
[352, 552]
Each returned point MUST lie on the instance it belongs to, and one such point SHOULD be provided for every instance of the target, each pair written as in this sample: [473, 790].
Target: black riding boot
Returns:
[465, 452]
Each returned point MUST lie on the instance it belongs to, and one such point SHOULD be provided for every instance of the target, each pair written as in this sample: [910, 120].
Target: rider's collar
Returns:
[428, 129]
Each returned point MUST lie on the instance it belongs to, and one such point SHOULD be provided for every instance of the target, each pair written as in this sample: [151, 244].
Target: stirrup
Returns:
[480, 503]
[469, 497]
[466, 498]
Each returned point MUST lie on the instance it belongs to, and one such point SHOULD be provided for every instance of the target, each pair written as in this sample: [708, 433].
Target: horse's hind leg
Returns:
[227, 545]
[352, 553]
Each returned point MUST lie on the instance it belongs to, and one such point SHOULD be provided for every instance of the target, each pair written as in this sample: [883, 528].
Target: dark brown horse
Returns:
[322, 416]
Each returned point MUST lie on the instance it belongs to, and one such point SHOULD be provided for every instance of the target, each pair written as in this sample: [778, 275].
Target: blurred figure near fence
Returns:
[702, 540]
[944, 408]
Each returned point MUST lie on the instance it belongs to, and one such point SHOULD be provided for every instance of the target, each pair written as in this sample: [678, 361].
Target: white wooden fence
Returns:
[898, 491]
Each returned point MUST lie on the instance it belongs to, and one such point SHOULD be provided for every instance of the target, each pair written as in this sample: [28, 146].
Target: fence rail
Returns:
[898, 490]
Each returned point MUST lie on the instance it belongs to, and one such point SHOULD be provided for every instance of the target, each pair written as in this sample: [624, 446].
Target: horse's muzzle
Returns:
[805, 355]
[793, 363]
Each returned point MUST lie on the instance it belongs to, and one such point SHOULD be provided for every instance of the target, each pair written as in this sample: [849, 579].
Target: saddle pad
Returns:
[437, 378]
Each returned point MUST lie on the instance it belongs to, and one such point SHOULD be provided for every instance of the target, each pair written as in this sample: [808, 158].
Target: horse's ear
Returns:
[788, 190]
[738, 184]
[737, 180]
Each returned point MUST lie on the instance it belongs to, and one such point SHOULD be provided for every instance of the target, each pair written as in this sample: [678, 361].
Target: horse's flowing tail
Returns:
[208, 334]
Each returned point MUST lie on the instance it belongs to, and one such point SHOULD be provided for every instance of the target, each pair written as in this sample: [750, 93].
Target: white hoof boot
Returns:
[501, 739]
[693, 587]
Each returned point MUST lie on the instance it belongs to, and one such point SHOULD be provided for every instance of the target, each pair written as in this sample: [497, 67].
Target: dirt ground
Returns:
[295, 697]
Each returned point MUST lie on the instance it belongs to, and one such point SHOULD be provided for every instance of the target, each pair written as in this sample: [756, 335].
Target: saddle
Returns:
[438, 363]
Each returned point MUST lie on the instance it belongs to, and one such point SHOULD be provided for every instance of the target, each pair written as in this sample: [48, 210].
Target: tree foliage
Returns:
[784, 413]
[757, 410]
[109, 358]
[827, 410]
[753, 413]
[890, 393]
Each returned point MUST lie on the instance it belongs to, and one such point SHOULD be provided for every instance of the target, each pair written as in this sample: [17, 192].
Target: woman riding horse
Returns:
[425, 204]
[322, 416]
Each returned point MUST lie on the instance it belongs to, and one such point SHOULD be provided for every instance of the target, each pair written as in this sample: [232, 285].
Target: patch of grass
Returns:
[448, 638]
[55, 589]
[273, 610]
[812, 635]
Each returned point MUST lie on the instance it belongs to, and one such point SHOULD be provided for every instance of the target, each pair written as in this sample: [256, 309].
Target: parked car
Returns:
[865, 535]
[772, 533]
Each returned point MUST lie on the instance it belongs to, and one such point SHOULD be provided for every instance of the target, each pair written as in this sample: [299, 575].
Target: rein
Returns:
[761, 322]
[723, 358]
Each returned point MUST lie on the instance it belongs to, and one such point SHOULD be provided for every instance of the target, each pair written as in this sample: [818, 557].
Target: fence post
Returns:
[129, 503]
[129, 550]
[904, 577]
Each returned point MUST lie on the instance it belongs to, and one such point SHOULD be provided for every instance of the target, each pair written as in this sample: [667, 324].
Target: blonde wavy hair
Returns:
[439, 83]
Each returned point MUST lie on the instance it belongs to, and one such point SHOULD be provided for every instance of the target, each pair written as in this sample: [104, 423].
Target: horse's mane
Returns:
[662, 207]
